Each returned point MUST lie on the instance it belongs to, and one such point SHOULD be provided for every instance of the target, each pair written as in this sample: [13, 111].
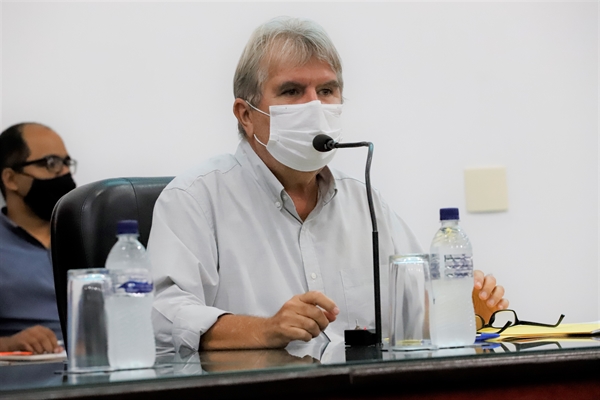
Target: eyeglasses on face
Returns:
[52, 163]
[503, 319]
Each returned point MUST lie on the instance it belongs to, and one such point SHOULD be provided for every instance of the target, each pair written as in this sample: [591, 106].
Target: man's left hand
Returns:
[487, 297]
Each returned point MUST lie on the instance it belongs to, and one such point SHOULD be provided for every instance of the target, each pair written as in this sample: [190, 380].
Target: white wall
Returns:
[143, 89]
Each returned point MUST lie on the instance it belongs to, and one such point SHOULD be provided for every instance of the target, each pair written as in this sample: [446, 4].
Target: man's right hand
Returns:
[303, 317]
[37, 339]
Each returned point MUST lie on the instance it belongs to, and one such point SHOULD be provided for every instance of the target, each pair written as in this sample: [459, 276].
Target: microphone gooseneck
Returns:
[324, 143]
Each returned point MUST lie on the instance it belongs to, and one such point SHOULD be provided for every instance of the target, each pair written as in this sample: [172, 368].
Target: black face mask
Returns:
[45, 193]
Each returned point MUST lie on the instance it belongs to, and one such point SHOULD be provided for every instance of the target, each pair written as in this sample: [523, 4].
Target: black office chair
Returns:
[84, 225]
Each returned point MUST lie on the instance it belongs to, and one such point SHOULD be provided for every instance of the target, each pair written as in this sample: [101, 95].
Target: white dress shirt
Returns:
[226, 238]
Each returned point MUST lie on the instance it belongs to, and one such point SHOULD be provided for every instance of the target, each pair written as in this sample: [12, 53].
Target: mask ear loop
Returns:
[260, 111]
[258, 140]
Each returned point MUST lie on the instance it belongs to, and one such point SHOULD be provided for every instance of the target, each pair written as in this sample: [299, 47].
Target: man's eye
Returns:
[326, 92]
[290, 92]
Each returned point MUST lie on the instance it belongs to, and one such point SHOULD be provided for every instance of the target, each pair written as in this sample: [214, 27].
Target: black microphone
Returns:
[323, 143]
[361, 337]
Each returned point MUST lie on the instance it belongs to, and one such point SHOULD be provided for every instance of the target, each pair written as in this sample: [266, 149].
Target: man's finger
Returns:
[330, 316]
[309, 325]
[478, 279]
[46, 337]
[319, 299]
[489, 283]
[53, 339]
[26, 347]
[295, 333]
[35, 343]
[315, 313]
[496, 296]
[41, 338]
[502, 305]
[46, 344]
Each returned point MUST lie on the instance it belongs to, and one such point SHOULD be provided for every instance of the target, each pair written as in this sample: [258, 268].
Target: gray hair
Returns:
[282, 39]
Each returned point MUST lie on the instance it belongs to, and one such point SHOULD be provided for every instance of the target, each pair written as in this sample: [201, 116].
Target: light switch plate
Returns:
[486, 189]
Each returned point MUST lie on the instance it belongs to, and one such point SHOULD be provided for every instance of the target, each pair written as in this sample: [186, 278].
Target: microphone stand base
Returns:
[360, 337]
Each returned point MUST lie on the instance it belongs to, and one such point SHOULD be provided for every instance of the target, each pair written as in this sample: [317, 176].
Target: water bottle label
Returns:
[458, 266]
[137, 287]
[455, 266]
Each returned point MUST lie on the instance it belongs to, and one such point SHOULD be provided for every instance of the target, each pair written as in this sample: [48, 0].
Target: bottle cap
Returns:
[127, 226]
[448, 214]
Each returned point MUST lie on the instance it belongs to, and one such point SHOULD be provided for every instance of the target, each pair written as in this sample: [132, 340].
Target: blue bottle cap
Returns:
[127, 226]
[448, 214]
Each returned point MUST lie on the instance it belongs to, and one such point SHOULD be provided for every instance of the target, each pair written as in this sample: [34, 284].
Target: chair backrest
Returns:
[84, 224]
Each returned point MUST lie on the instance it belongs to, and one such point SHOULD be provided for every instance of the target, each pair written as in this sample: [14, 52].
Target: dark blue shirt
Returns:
[27, 295]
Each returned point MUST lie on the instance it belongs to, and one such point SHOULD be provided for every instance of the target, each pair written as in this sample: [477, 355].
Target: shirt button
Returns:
[313, 275]
[277, 204]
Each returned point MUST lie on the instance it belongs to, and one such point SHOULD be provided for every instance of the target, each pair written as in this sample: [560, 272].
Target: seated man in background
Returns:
[35, 173]
[267, 246]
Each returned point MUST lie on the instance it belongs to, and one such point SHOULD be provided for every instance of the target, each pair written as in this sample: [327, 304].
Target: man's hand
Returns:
[37, 339]
[303, 317]
[487, 297]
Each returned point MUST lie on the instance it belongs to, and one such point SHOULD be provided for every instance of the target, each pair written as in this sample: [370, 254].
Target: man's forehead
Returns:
[33, 130]
[315, 70]
[42, 141]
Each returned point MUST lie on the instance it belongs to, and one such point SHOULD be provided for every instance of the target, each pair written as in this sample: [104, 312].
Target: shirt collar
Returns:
[327, 186]
[251, 162]
[7, 222]
[10, 225]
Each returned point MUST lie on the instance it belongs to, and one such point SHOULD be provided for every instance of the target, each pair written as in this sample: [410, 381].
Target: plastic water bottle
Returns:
[128, 307]
[451, 264]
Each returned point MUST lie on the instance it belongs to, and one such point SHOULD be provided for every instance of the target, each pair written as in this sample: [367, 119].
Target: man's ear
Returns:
[241, 110]
[8, 179]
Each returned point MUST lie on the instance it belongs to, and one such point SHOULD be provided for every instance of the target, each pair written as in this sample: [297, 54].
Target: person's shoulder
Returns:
[352, 185]
[342, 178]
[7, 228]
[214, 168]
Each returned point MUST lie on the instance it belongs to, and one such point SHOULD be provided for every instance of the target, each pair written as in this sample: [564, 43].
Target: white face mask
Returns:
[293, 128]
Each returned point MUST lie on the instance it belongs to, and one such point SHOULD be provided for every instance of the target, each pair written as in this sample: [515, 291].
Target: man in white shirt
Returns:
[267, 246]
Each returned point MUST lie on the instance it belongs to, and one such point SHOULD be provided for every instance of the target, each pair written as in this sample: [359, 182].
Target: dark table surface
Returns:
[331, 370]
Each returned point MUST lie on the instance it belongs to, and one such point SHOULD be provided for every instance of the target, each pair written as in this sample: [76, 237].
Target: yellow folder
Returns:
[563, 330]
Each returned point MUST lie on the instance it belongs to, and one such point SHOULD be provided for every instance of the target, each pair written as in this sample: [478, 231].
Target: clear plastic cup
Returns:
[410, 302]
[87, 344]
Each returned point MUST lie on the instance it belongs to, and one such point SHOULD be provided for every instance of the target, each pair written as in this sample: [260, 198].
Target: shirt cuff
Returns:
[190, 323]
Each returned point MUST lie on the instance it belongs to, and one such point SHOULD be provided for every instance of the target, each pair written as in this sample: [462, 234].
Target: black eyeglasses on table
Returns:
[503, 319]
[512, 347]
[52, 163]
